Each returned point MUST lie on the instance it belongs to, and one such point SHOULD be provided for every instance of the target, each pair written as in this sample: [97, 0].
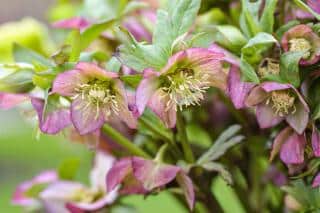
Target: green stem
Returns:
[123, 141]
[188, 154]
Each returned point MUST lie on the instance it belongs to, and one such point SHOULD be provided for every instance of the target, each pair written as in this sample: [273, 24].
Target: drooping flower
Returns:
[23, 195]
[276, 102]
[291, 146]
[76, 197]
[237, 89]
[141, 176]
[97, 96]
[302, 38]
[181, 83]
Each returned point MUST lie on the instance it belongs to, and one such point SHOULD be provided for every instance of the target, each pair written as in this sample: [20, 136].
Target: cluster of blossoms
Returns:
[156, 85]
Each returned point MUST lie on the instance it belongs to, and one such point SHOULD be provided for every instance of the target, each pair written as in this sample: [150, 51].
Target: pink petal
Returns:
[228, 57]
[72, 23]
[85, 117]
[66, 82]
[145, 90]
[187, 186]
[279, 140]
[158, 104]
[299, 120]
[272, 86]
[256, 96]
[316, 181]
[8, 100]
[52, 122]
[297, 31]
[151, 174]
[91, 70]
[315, 5]
[139, 32]
[315, 140]
[238, 90]
[292, 151]
[266, 116]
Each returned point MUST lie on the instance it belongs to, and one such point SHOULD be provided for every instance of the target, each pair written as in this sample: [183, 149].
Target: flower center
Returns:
[301, 44]
[100, 94]
[85, 195]
[269, 66]
[184, 88]
[282, 102]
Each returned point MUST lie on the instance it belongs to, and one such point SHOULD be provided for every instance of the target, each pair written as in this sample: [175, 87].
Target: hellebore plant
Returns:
[155, 91]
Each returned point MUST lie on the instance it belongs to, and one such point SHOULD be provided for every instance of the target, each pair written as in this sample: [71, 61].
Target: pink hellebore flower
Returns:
[291, 146]
[72, 23]
[182, 82]
[314, 5]
[97, 96]
[21, 197]
[302, 38]
[237, 90]
[141, 176]
[74, 197]
[275, 102]
[316, 181]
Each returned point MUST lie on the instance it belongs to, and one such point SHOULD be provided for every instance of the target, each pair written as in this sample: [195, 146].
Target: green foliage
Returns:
[68, 168]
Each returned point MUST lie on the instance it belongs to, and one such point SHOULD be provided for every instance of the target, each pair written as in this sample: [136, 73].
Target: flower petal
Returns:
[266, 116]
[119, 171]
[8, 100]
[299, 120]
[51, 122]
[139, 32]
[315, 140]
[292, 151]
[238, 90]
[91, 70]
[151, 174]
[315, 5]
[66, 82]
[187, 187]
[72, 23]
[316, 181]
[272, 86]
[85, 117]
[279, 140]
[228, 57]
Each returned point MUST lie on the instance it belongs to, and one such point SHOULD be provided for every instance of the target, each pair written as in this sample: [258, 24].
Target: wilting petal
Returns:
[145, 90]
[315, 142]
[53, 121]
[151, 174]
[292, 151]
[72, 23]
[120, 170]
[228, 57]
[19, 196]
[8, 100]
[272, 86]
[298, 120]
[266, 116]
[316, 181]
[238, 90]
[124, 113]
[158, 104]
[91, 70]
[187, 187]
[256, 96]
[66, 82]
[279, 140]
[85, 117]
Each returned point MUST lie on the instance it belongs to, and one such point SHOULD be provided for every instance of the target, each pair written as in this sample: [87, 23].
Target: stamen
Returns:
[301, 44]
[282, 102]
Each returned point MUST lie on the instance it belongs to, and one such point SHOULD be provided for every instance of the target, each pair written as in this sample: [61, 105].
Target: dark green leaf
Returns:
[289, 67]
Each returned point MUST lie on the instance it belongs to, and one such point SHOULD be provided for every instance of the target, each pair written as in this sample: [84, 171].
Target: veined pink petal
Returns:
[292, 151]
[187, 187]
[279, 140]
[158, 104]
[315, 140]
[238, 90]
[272, 86]
[151, 174]
[91, 70]
[66, 82]
[85, 117]
[256, 96]
[299, 120]
[316, 181]
[72, 23]
[228, 57]
[51, 122]
[266, 116]
[9, 100]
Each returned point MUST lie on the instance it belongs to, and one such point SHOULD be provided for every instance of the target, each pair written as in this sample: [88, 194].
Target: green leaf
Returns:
[249, 22]
[227, 36]
[75, 43]
[35, 190]
[267, 18]
[304, 6]
[248, 73]
[92, 56]
[93, 32]
[19, 81]
[289, 67]
[25, 55]
[104, 9]
[285, 28]
[218, 167]
[133, 6]
[113, 65]
[132, 80]
[198, 136]
[69, 168]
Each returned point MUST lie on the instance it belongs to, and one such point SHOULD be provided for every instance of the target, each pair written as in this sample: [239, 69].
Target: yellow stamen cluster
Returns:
[269, 67]
[85, 195]
[301, 44]
[282, 102]
[184, 88]
[100, 95]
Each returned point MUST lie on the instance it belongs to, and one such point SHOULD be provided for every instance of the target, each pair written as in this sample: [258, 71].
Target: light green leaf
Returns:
[113, 65]
[289, 67]
[69, 168]
[19, 81]
[75, 42]
[248, 73]
[249, 22]
[218, 167]
[267, 18]
[198, 136]
[285, 28]
[132, 80]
